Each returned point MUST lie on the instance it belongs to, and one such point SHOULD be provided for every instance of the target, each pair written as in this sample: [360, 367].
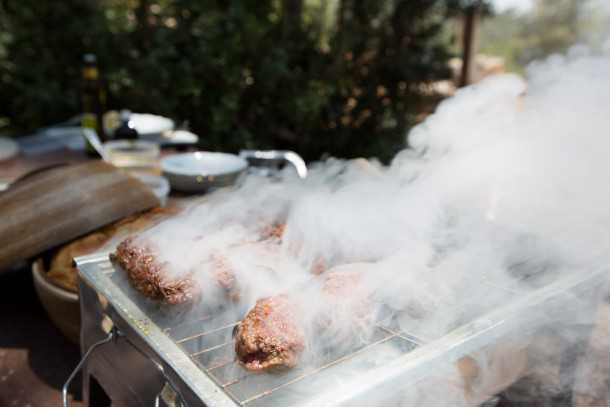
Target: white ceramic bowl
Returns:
[200, 171]
[61, 305]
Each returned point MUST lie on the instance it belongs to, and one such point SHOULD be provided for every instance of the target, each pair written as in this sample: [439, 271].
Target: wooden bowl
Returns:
[61, 305]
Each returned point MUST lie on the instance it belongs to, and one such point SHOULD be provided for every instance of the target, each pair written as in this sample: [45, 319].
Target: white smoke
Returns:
[504, 190]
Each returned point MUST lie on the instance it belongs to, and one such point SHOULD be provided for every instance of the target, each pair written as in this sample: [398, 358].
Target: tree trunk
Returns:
[340, 23]
[143, 30]
[471, 19]
[292, 11]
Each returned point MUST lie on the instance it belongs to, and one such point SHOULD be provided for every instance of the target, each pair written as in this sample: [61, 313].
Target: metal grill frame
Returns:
[197, 384]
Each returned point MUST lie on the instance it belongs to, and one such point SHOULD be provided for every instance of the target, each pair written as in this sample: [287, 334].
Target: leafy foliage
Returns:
[552, 26]
[343, 77]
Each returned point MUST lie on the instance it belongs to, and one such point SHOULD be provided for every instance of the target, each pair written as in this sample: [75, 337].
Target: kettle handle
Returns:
[285, 155]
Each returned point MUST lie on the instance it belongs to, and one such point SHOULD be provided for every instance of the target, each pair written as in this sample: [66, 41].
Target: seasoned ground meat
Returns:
[319, 266]
[273, 231]
[340, 284]
[154, 280]
[269, 337]
[150, 277]
[225, 277]
[346, 296]
[348, 311]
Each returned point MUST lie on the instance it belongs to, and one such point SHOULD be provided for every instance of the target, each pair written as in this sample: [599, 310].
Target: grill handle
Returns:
[168, 382]
[114, 333]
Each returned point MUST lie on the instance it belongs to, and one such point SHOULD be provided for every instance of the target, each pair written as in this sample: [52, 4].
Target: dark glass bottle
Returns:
[92, 99]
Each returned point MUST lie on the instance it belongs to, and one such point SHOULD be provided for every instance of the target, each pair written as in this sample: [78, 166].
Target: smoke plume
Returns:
[502, 192]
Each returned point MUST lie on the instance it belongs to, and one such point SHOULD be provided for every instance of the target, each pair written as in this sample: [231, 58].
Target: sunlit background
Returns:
[339, 78]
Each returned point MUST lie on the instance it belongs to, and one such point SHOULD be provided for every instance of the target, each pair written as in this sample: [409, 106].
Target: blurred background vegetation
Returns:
[338, 77]
[548, 27]
[322, 77]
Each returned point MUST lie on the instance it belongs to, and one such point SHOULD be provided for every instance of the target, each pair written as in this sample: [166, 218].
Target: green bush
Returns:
[343, 77]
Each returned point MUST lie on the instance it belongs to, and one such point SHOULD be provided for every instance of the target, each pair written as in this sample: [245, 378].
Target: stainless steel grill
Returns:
[197, 358]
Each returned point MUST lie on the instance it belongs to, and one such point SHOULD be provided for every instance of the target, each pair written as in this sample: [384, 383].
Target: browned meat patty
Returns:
[319, 266]
[225, 277]
[153, 280]
[338, 285]
[149, 277]
[269, 337]
[348, 309]
[346, 297]
[273, 231]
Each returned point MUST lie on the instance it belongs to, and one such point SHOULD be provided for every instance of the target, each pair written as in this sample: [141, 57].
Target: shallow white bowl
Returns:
[200, 171]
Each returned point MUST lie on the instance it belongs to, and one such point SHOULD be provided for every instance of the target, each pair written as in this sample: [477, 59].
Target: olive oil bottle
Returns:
[92, 100]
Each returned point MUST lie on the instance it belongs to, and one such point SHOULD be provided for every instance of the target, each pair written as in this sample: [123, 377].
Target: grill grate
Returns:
[208, 341]
[212, 349]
